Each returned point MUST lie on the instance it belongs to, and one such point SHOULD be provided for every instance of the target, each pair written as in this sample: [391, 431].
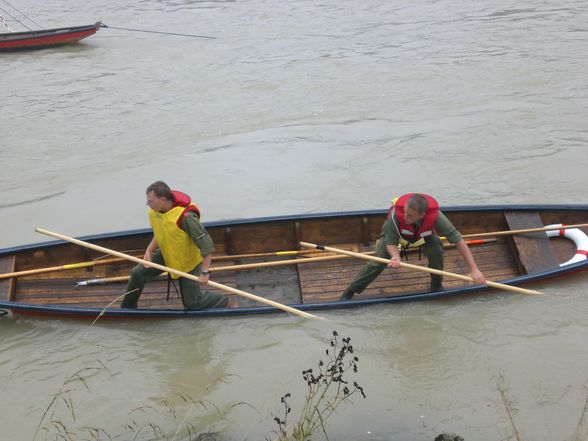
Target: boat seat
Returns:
[534, 250]
[7, 265]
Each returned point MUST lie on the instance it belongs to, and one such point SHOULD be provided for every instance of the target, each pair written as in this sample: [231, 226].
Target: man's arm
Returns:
[391, 238]
[395, 256]
[149, 250]
[191, 225]
[445, 227]
[465, 252]
[206, 261]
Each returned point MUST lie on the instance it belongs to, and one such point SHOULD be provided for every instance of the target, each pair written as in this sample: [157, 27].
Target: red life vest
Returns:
[183, 200]
[409, 232]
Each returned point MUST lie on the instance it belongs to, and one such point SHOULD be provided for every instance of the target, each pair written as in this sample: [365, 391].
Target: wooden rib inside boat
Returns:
[296, 279]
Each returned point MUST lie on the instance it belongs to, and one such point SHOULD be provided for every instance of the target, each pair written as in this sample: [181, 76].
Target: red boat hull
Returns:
[46, 38]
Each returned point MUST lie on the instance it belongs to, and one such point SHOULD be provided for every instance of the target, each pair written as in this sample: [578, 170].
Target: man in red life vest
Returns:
[414, 220]
[180, 242]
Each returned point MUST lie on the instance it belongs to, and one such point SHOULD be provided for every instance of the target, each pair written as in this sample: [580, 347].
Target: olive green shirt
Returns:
[443, 227]
[192, 226]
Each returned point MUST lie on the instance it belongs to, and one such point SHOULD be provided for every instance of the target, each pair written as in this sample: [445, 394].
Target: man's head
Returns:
[159, 196]
[415, 208]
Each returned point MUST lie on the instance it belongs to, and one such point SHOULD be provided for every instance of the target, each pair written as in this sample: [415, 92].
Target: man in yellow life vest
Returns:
[414, 220]
[179, 241]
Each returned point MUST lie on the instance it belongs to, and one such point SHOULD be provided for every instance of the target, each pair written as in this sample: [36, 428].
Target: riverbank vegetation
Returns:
[327, 387]
[188, 418]
[518, 432]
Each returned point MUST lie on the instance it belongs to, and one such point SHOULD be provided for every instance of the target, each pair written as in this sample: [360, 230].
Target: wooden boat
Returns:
[262, 256]
[39, 39]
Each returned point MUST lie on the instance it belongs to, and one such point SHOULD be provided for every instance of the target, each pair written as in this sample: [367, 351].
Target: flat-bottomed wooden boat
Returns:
[263, 256]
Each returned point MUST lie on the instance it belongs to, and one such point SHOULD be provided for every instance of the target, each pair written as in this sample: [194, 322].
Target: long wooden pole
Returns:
[251, 255]
[527, 230]
[52, 269]
[273, 253]
[91, 263]
[268, 254]
[419, 268]
[105, 280]
[179, 273]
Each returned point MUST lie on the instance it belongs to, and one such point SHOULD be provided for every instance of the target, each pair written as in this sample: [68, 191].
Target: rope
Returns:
[24, 15]
[5, 24]
[14, 18]
[171, 283]
[156, 32]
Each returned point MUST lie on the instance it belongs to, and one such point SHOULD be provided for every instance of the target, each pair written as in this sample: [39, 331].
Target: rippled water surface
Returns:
[297, 107]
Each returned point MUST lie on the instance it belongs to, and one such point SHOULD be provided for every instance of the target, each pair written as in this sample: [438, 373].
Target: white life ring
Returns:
[579, 238]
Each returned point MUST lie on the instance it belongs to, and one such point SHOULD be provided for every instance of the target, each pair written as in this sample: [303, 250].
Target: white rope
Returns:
[5, 24]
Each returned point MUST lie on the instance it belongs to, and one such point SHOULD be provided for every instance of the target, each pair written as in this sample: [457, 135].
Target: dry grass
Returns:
[580, 434]
[180, 418]
[327, 388]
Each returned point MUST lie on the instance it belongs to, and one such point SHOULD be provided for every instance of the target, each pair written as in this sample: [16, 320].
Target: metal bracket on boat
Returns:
[90, 282]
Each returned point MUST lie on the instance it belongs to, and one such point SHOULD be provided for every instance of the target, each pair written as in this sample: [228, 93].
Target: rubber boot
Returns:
[347, 295]
[436, 283]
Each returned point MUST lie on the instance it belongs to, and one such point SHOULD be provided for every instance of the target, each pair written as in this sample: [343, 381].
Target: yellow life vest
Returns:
[177, 247]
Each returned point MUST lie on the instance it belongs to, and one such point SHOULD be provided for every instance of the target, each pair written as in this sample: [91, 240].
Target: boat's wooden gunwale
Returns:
[550, 213]
[138, 239]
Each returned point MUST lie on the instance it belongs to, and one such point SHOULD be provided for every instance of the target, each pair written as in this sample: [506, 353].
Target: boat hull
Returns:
[15, 41]
[262, 256]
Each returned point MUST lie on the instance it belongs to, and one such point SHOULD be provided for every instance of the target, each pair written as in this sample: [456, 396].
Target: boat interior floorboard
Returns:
[303, 282]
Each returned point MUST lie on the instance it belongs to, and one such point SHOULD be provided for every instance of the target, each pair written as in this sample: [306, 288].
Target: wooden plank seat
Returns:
[535, 253]
[7, 265]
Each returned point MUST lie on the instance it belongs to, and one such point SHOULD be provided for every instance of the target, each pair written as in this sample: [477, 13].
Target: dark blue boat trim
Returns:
[25, 308]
